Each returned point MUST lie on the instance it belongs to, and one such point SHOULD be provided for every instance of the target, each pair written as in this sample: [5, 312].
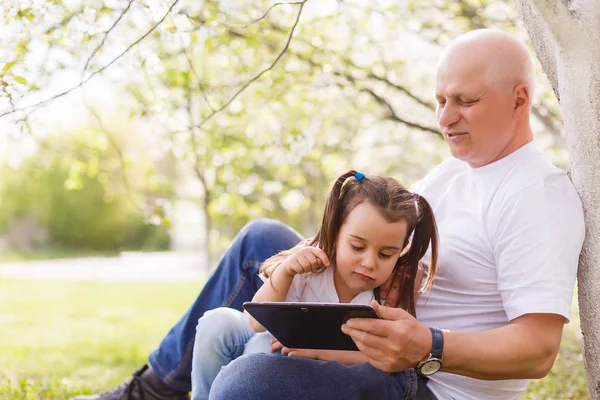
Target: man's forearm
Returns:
[525, 348]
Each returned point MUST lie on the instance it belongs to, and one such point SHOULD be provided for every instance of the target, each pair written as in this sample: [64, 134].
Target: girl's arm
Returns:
[341, 356]
[274, 289]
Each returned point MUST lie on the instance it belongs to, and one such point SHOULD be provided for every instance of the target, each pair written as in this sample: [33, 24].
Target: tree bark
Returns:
[566, 37]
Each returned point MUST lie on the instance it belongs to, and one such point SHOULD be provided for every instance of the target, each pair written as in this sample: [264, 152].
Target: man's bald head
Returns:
[483, 92]
[504, 60]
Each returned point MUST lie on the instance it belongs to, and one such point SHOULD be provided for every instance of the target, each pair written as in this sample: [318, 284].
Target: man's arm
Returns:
[525, 348]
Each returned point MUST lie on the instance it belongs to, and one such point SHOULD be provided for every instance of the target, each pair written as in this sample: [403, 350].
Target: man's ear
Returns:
[521, 100]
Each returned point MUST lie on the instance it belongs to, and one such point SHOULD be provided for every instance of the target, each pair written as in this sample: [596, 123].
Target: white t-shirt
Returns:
[510, 237]
[320, 288]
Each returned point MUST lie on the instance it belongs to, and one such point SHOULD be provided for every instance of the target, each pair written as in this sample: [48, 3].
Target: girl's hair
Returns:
[395, 203]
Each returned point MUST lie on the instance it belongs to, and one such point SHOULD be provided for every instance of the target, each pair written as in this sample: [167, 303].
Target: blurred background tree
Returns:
[71, 195]
[244, 108]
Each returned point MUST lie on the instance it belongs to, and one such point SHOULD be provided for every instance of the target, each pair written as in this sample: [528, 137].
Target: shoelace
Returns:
[127, 387]
[136, 381]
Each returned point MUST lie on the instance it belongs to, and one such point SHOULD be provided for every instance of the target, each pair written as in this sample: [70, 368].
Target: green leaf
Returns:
[21, 80]
[8, 66]
[26, 13]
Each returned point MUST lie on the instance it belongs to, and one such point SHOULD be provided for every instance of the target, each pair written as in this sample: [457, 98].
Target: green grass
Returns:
[12, 255]
[61, 339]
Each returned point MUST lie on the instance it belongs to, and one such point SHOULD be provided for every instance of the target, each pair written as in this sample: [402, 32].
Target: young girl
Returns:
[372, 228]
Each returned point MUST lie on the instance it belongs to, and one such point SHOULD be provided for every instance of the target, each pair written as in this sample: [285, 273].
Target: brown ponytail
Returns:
[424, 234]
[333, 216]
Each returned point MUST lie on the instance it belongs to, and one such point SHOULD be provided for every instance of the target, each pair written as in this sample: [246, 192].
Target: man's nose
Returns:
[448, 115]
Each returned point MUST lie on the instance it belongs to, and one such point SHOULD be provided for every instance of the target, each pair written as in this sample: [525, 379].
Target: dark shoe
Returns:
[145, 385]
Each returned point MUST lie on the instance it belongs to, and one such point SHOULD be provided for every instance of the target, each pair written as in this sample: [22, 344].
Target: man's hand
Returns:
[390, 290]
[393, 344]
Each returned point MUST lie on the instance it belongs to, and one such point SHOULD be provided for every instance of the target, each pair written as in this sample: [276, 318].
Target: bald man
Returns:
[511, 230]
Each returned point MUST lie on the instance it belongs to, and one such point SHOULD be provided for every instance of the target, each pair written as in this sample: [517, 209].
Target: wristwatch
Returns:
[433, 362]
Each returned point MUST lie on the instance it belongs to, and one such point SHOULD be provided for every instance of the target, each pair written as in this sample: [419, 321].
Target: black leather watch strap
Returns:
[437, 344]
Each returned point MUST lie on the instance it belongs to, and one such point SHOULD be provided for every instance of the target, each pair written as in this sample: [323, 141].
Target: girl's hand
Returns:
[306, 259]
[304, 353]
[276, 346]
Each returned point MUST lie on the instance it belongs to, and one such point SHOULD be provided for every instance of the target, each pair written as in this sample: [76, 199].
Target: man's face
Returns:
[476, 119]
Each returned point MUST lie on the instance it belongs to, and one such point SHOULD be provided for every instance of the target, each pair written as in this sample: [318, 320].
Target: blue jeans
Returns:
[275, 377]
[234, 281]
[222, 335]
[265, 376]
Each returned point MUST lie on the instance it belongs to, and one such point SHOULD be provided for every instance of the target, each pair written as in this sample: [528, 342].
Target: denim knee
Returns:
[269, 229]
[221, 325]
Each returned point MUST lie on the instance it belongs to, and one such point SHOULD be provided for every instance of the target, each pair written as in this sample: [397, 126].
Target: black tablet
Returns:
[309, 325]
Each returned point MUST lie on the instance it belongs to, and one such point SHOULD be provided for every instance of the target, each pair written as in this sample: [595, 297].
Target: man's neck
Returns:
[519, 140]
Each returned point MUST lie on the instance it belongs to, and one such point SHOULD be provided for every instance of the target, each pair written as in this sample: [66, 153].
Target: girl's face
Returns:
[367, 250]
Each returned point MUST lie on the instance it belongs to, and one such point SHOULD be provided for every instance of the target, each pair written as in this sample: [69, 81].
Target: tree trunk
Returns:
[566, 37]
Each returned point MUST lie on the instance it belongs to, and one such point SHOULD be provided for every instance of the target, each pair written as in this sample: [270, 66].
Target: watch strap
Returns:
[437, 343]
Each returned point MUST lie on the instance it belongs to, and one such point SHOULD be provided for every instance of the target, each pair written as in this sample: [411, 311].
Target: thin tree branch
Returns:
[404, 90]
[394, 117]
[391, 114]
[189, 60]
[265, 14]
[97, 49]
[99, 70]
[372, 75]
[118, 152]
[380, 100]
[261, 73]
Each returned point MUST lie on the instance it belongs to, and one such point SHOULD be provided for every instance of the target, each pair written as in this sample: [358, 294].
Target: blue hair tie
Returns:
[359, 176]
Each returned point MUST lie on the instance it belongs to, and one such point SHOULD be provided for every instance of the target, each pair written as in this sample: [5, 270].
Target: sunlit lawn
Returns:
[62, 339]
[8, 255]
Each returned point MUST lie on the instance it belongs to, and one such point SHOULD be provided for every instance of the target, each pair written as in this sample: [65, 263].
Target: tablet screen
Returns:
[309, 325]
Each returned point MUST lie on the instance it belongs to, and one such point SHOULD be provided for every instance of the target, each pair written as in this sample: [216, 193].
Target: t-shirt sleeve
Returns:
[416, 187]
[538, 237]
[297, 288]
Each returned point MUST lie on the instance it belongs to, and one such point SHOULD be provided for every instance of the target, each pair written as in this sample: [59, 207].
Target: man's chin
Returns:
[463, 153]
[459, 153]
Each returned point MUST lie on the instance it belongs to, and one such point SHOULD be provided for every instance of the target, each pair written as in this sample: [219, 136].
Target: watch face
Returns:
[430, 367]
